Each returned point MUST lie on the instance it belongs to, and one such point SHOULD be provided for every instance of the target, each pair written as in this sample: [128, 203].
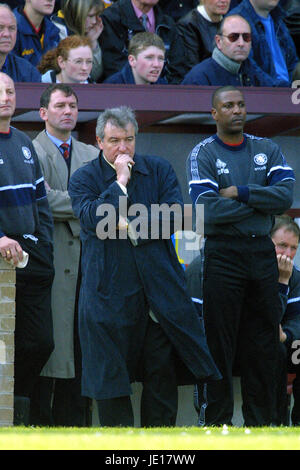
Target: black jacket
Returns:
[198, 35]
[121, 24]
[177, 8]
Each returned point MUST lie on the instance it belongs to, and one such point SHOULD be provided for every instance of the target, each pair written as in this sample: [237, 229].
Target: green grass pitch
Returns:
[180, 438]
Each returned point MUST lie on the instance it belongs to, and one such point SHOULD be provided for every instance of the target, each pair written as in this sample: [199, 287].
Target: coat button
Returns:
[67, 271]
[70, 243]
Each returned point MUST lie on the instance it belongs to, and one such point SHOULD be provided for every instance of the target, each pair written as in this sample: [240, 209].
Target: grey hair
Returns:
[119, 117]
[5, 5]
[8, 7]
[286, 222]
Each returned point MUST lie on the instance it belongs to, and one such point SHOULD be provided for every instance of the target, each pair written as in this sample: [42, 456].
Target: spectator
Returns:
[243, 181]
[199, 27]
[121, 280]
[122, 21]
[82, 17]
[273, 49]
[20, 70]
[177, 8]
[230, 63]
[26, 224]
[285, 235]
[292, 21]
[70, 62]
[36, 33]
[16, 3]
[57, 399]
[146, 57]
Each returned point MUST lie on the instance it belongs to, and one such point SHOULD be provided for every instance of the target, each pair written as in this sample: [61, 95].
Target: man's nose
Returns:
[3, 96]
[236, 109]
[240, 41]
[288, 252]
[156, 62]
[122, 146]
[5, 32]
[68, 109]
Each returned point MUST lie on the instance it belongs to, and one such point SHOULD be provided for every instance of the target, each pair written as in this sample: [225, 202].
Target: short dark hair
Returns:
[46, 95]
[142, 41]
[221, 89]
[287, 222]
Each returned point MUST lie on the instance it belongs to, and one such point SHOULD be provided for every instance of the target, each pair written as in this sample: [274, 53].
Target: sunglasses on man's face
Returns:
[233, 37]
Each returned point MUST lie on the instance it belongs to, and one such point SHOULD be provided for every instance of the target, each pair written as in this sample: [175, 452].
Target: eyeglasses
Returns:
[81, 61]
[233, 37]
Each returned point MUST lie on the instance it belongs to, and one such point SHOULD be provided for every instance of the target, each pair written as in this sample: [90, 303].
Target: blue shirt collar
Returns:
[57, 141]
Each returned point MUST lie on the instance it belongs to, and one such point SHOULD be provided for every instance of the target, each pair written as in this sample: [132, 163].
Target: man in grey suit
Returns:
[60, 155]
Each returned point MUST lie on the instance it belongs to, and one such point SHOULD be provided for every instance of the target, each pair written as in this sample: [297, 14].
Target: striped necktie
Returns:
[144, 19]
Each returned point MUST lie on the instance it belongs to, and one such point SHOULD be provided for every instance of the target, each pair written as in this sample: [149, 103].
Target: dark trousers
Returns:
[159, 399]
[58, 401]
[241, 305]
[34, 329]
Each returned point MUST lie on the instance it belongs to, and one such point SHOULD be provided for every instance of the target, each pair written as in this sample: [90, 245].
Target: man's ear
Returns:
[43, 113]
[218, 41]
[131, 60]
[99, 142]
[214, 113]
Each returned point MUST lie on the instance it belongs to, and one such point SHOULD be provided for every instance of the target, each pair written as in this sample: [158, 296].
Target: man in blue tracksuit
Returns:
[36, 33]
[25, 224]
[242, 181]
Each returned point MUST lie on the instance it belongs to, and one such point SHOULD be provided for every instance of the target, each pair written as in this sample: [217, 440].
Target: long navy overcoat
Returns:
[120, 281]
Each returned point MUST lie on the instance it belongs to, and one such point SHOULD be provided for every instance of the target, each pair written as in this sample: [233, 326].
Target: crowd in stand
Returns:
[229, 43]
[200, 47]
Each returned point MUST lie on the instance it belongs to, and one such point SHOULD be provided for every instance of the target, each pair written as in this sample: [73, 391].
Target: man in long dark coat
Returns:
[135, 313]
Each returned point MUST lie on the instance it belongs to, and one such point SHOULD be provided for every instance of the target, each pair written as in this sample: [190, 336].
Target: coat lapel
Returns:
[108, 173]
[78, 158]
[137, 171]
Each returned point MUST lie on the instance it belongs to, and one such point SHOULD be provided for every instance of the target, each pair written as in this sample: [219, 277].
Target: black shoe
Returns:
[21, 411]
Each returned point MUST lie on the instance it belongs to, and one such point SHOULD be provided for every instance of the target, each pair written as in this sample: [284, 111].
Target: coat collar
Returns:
[55, 156]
